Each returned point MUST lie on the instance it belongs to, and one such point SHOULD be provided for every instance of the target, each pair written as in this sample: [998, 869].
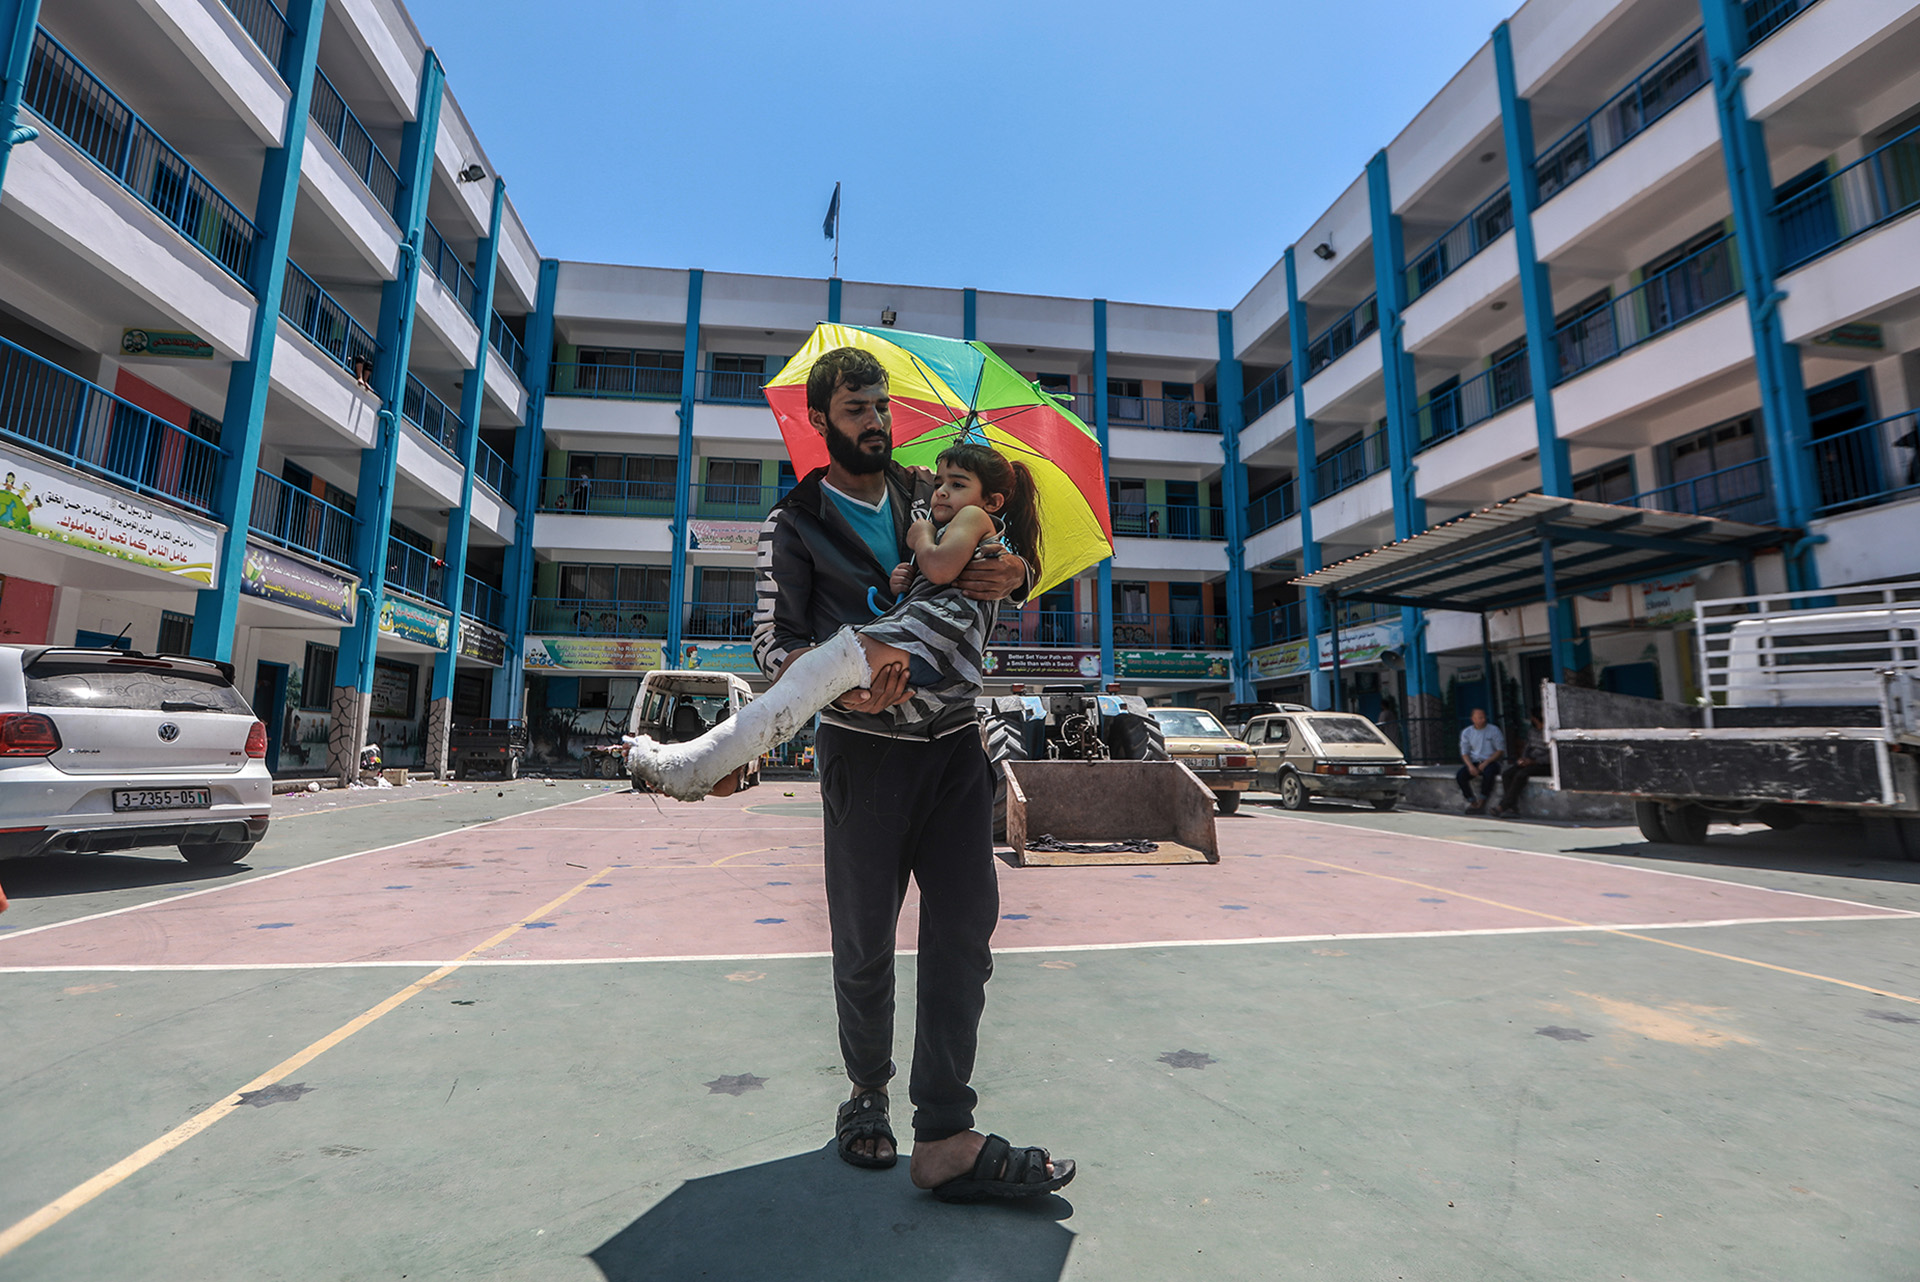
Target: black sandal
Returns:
[864, 1117]
[1004, 1171]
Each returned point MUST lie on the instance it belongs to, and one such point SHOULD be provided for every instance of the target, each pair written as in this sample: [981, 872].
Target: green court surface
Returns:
[1403, 1046]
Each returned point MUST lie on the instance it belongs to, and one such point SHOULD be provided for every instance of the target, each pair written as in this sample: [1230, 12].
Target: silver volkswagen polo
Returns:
[104, 750]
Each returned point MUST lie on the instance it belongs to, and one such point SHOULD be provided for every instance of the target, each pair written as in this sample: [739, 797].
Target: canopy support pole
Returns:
[1556, 620]
[1486, 667]
[1333, 610]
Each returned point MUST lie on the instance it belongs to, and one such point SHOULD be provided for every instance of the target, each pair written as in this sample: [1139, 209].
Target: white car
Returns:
[104, 750]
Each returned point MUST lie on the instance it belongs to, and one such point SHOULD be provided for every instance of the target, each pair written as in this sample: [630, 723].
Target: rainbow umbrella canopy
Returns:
[944, 390]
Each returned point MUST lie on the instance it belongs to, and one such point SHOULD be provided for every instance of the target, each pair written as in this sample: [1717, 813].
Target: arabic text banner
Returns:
[47, 501]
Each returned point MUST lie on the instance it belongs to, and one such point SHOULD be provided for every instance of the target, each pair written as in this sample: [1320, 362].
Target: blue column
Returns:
[1306, 486]
[1536, 286]
[243, 420]
[683, 489]
[529, 461]
[833, 300]
[970, 315]
[1783, 393]
[374, 499]
[1233, 503]
[1109, 669]
[473, 394]
[19, 19]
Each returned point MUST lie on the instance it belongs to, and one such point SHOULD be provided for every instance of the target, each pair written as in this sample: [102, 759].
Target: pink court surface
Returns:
[477, 1032]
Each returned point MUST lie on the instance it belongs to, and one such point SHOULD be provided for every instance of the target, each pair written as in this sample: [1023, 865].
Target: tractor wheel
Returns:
[1006, 741]
[1228, 802]
[1652, 820]
[1137, 738]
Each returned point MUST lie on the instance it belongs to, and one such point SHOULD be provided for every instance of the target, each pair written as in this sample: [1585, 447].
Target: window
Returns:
[594, 692]
[1716, 472]
[1061, 383]
[723, 603]
[644, 583]
[412, 538]
[316, 678]
[176, 633]
[623, 371]
[204, 426]
[738, 364]
[1611, 483]
[1124, 400]
[738, 473]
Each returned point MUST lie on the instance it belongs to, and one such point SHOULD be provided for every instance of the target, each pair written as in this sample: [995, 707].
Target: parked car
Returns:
[105, 750]
[1236, 716]
[1304, 754]
[1197, 740]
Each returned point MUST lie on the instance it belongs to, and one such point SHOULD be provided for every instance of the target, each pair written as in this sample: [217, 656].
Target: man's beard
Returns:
[848, 453]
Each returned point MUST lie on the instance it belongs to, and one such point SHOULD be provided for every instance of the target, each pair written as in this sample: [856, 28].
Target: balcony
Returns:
[1863, 467]
[1281, 623]
[1764, 17]
[484, 602]
[1134, 630]
[1339, 338]
[1273, 507]
[503, 342]
[1741, 492]
[1163, 414]
[1169, 521]
[736, 502]
[614, 382]
[411, 572]
[267, 26]
[78, 107]
[431, 415]
[728, 387]
[57, 414]
[302, 522]
[1352, 463]
[1033, 628]
[1486, 224]
[719, 621]
[591, 617]
[582, 496]
[1670, 81]
[1879, 187]
[1443, 415]
[1273, 389]
[437, 256]
[350, 138]
[326, 324]
[492, 471]
[1697, 283]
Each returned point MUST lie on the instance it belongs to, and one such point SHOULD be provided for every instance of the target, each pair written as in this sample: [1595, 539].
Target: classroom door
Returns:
[270, 705]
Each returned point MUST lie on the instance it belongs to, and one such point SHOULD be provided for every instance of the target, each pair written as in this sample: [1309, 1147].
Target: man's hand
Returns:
[992, 578]
[888, 687]
[901, 577]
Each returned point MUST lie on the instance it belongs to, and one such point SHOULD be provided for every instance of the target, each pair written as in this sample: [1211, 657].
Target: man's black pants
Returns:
[1489, 781]
[899, 808]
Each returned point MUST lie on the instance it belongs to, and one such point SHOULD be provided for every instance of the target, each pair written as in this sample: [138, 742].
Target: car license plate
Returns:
[1201, 763]
[1366, 770]
[163, 799]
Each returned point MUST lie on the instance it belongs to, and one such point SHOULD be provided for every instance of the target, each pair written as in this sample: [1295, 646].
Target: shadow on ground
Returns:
[811, 1216]
[1827, 850]
[49, 876]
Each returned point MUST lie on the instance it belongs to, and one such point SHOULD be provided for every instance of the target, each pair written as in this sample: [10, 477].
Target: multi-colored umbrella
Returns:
[944, 390]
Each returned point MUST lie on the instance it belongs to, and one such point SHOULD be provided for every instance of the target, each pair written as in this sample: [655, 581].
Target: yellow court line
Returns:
[1610, 930]
[81, 1194]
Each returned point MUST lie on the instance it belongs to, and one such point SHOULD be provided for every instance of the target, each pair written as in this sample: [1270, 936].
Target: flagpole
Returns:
[836, 230]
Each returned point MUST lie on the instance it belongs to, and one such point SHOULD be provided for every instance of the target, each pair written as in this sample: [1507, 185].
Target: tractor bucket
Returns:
[1099, 803]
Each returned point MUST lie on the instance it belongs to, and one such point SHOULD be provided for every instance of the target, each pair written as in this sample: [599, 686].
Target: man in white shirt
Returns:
[1481, 748]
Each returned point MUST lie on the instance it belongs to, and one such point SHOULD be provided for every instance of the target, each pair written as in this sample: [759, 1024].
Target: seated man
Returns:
[1481, 748]
[1529, 761]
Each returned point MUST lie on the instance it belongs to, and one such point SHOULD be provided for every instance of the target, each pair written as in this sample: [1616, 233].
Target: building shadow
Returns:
[811, 1216]
[50, 876]
[1822, 849]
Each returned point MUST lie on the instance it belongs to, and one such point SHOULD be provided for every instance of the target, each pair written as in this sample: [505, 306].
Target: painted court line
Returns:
[81, 1194]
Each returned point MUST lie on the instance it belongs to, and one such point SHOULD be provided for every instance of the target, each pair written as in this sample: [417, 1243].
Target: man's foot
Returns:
[970, 1167]
[866, 1140]
[1475, 807]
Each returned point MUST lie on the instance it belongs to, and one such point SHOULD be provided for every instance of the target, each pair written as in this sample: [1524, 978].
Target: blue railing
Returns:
[76, 105]
[719, 621]
[437, 256]
[1670, 81]
[1169, 520]
[1869, 464]
[508, 346]
[1486, 224]
[736, 502]
[1764, 17]
[65, 417]
[1281, 623]
[1339, 338]
[1163, 413]
[1697, 283]
[614, 382]
[492, 470]
[585, 496]
[313, 311]
[301, 521]
[1273, 507]
[1441, 415]
[1036, 628]
[350, 138]
[593, 617]
[431, 415]
[1352, 463]
[267, 27]
[483, 601]
[730, 386]
[417, 574]
[1135, 630]
[1737, 493]
[1272, 389]
[1881, 185]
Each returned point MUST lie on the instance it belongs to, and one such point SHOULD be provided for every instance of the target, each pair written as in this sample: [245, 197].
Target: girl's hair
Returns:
[1009, 477]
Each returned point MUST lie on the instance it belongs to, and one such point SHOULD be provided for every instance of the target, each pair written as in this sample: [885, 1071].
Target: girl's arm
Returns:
[942, 561]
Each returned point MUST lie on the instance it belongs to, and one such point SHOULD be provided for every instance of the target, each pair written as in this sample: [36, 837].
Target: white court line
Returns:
[269, 876]
[1587, 928]
[1576, 859]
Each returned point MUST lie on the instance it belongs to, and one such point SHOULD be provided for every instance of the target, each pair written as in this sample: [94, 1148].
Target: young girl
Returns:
[935, 631]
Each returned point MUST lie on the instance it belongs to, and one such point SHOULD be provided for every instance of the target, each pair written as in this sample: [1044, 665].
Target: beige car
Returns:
[1304, 755]
[1202, 745]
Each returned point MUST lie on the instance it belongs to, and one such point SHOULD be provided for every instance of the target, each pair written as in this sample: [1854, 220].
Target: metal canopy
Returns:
[1536, 548]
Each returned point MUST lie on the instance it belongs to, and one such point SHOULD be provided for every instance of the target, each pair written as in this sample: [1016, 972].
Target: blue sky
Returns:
[1160, 153]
